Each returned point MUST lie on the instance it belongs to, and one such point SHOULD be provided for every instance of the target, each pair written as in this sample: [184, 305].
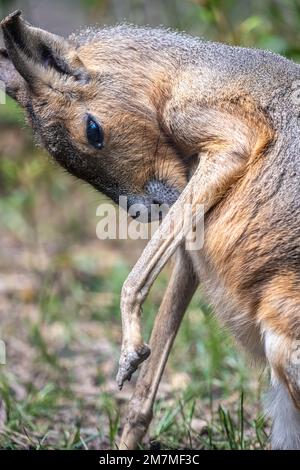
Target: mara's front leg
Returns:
[213, 176]
[232, 144]
[180, 290]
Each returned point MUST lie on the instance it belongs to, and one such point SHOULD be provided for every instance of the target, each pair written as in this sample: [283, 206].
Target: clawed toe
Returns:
[129, 362]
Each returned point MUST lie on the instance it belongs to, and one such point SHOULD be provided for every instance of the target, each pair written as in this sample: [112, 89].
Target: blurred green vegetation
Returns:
[61, 321]
[271, 24]
[11, 113]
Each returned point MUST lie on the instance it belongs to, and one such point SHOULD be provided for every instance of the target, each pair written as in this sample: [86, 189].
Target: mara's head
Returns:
[94, 105]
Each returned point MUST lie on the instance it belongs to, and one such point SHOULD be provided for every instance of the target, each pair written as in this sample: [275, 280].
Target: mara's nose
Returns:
[161, 193]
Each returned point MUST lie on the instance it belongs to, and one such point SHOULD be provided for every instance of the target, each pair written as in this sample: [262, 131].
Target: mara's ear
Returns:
[11, 81]
[40, 57]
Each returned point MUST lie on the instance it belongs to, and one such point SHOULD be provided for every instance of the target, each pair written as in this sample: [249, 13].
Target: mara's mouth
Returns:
[153, 204]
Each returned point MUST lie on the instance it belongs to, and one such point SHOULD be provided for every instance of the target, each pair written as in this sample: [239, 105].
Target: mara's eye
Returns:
[94, 133]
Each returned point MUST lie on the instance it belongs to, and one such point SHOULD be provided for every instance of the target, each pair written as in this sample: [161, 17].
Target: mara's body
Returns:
[159, 101]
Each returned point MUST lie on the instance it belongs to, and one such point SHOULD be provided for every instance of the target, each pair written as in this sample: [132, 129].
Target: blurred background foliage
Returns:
[59, 285]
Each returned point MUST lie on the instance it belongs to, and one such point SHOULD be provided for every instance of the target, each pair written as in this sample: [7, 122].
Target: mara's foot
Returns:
[130, 359]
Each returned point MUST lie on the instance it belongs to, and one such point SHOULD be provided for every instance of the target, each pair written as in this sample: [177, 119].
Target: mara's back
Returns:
[262, 73]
